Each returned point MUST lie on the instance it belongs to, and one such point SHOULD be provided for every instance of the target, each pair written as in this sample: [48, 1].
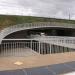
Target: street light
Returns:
[69, 15]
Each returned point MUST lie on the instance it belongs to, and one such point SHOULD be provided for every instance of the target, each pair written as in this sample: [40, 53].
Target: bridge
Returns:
[15, 28]
[39, 44]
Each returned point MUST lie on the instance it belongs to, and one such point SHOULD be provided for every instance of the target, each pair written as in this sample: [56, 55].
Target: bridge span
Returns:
[19, 27]
[38, 44]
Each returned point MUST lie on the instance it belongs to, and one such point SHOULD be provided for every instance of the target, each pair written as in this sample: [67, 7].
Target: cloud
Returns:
[44, 8]
[16, 11]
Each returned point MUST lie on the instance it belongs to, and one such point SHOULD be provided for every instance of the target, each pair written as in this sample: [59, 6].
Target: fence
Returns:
[19, 48]
[24, 47]
[57, 40]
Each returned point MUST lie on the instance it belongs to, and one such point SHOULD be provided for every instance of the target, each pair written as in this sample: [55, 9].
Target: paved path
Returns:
[56, 69]
[7, 63]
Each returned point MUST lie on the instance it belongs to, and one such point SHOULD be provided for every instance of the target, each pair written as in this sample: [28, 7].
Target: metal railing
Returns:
[19, 48]
[26, 47]
[57, 40]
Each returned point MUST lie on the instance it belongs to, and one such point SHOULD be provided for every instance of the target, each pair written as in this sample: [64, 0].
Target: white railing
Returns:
[23, 47]
[26, 47]
[19, 48]
[19, 27]
[57, 40]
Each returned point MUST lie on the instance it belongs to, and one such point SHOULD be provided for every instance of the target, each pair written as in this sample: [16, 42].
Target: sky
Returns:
[41, 8]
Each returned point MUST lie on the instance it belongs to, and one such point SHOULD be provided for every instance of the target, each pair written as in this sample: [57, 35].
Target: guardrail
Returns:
[57, 40]
[19, 48]
[26, 47]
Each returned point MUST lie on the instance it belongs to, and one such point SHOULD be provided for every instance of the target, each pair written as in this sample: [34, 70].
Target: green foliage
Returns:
[7, 20]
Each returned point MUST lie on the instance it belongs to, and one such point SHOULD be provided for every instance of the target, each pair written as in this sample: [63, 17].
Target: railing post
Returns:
[1, 45]
[50, 49]
[39, 47]
[31, 44]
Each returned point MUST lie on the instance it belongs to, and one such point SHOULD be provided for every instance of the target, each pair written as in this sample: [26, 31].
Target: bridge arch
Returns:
[19, 27]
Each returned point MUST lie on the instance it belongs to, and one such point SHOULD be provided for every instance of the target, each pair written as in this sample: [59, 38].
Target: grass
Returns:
[7, 20]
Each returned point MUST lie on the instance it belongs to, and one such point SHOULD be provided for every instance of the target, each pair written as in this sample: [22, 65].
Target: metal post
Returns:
[0, 48]
[50, 49]
[4, 48]
[39, 47]
[31, 44]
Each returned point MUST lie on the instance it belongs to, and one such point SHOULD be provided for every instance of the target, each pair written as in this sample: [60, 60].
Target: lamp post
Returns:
[69, 15]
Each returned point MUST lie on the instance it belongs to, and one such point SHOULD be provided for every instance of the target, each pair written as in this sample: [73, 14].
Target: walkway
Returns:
[7, 63]
[39, 65]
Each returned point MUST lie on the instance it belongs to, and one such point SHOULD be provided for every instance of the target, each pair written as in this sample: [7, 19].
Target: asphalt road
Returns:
[56, 69]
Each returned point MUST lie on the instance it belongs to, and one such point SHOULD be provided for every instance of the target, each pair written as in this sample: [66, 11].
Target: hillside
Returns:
[7, 20]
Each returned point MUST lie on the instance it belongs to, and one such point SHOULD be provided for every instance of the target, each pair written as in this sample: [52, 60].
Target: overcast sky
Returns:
[42, 8]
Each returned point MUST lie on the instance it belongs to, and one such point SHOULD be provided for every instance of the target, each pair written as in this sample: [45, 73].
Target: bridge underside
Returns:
[48, 31]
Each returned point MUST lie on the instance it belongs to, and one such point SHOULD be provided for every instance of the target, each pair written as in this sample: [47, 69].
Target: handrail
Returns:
[56, 40]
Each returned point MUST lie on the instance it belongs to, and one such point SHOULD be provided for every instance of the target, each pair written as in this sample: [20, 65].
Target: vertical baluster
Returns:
[31, 45]
[13, 47]
[4, 45]
[39, 48]
[23, 48]
[48, 48]
[18, 47]
[10, 48]
[5, 49]
[44, 48]
[0, 49]
[35, 46]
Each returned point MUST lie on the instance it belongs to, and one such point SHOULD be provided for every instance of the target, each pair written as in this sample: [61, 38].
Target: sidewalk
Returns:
[7, 63]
